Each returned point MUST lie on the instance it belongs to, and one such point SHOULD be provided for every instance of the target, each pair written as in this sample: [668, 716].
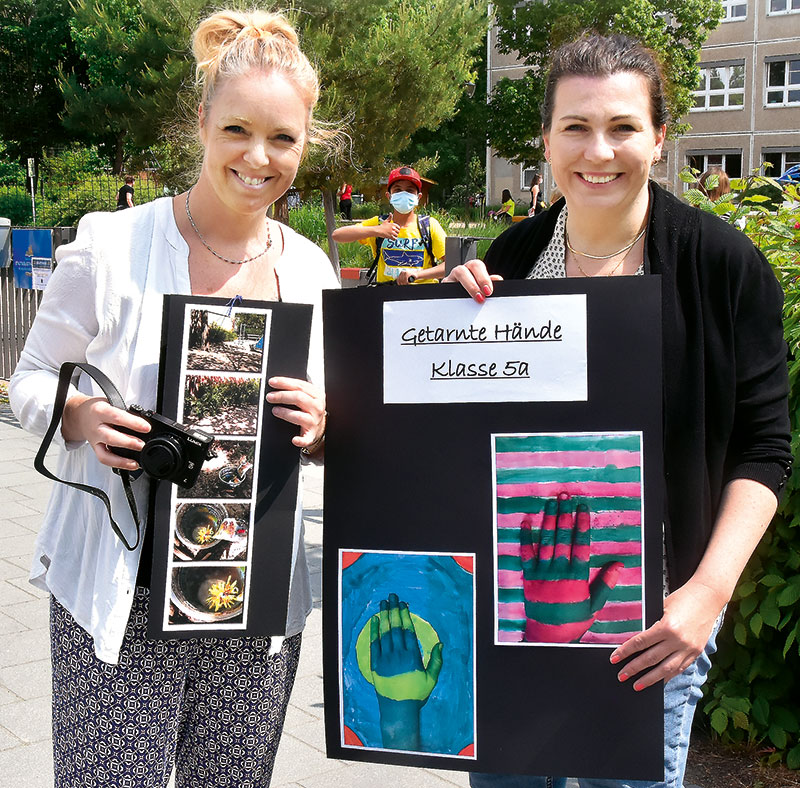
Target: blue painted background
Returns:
[437, 589]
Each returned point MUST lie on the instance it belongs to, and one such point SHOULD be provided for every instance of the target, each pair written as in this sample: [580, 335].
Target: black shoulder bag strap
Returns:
[114, 397]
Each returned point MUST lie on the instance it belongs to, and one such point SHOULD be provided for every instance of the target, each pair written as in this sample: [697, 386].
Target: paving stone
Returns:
[31, 590]
[20, 648]
[9, 571]
[369, 775]
[11, 466]
[12, 594]
[30, 522]
[312, 731]
[29, 720]
[30, 766]
[18, 479]
[22, 561]
[307, 695]
[18, 545]
[296, 762]
[12, 509]
[28, 681]
[8, 740]
[310, 656]
[32, 615]
[36, 492]
[6, 696]
[8, 624]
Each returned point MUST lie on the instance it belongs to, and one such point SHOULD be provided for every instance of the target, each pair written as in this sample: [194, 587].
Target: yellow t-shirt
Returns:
[510, 205]
[406, 252]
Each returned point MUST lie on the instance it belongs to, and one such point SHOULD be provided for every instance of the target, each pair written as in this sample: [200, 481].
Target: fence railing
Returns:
[17, 310]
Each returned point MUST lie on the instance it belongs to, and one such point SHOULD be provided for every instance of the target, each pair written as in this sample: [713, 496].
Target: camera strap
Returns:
[115, 398]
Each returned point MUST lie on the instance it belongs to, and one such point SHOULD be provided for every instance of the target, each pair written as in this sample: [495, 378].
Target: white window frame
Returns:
[792, 7]
[787, 86]
[729, 5]
[726, 73]
[522, 172]
[721, 155]
[774, 172]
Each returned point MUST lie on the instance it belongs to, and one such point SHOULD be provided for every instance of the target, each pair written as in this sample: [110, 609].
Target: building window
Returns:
[780, 161]
[720, 87]
[783, 7]
[734, 10]
[730, 161]
[526, 177]
[783, 82]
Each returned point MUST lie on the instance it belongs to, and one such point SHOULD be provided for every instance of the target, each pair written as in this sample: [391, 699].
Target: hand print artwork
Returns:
[407, 652]
[568, 514]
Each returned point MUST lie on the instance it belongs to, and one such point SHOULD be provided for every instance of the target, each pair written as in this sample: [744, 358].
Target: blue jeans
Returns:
[680, 699]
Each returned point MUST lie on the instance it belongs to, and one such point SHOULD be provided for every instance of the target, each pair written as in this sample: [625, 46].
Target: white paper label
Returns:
[514, 349]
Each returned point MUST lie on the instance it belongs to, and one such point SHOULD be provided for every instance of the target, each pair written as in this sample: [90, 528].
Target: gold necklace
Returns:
[610, 273]
[603, 256]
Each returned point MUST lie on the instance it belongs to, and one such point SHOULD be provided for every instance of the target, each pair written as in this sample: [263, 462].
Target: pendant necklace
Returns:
[217, 254]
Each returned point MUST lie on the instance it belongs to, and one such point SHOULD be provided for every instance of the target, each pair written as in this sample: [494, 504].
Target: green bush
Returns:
[217, 335]
[16, 206]
[753, 690]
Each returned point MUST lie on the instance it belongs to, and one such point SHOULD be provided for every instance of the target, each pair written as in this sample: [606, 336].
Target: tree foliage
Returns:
[137, 61]
[35, 44]
[751, 696]
[388, 68]
[675, 29]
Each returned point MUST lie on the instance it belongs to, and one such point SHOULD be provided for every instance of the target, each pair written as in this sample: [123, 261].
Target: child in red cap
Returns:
[403, 244]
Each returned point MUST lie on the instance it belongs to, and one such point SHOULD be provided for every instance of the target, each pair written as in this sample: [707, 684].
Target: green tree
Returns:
[387, 68]
[137, 60]
[35, 45]
[675, 29]
[457, 140]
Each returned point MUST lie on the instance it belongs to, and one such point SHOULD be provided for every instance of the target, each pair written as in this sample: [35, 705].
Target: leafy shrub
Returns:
[753, 689]
[16, 206]
[217, 334]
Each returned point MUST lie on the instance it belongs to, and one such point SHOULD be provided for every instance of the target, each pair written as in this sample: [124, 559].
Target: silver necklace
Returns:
[217, 254]
[603, 256]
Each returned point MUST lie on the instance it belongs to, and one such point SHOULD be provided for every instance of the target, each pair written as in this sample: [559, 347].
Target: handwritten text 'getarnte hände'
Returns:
[525, 348]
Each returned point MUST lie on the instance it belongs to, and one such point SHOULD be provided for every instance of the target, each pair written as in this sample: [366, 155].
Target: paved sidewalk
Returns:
[25, 752]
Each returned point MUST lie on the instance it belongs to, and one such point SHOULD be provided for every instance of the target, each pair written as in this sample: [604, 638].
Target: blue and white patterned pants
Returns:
[212, 707]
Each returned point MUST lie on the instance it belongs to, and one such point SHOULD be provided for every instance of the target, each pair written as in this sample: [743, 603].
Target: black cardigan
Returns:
[725, 384]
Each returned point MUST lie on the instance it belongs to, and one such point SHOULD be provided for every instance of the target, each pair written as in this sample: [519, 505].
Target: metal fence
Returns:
[60, 205]
[17, 310]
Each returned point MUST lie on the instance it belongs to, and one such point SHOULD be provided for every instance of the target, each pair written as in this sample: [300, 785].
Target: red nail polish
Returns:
[487, 290]
[638, 687]
[480, 298]
[623, 677]
[614, 659]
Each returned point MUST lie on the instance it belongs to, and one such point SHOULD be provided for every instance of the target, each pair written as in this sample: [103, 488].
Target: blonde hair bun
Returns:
[230, 43]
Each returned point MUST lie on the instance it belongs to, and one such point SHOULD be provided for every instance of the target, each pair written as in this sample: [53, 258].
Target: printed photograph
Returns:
[227, 342]
[221, 405]
[407, 652]
[227, 475]
[211, 532]
[568, 537]
[207, 595]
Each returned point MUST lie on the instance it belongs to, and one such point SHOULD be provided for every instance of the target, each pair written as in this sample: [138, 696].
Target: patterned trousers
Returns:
[213, 708]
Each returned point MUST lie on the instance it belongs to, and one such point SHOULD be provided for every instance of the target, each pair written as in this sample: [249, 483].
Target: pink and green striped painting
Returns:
[568, 537]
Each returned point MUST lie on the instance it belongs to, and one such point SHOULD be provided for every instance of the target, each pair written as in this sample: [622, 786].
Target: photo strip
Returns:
[409, 613]
[223, 365]
[569, 518]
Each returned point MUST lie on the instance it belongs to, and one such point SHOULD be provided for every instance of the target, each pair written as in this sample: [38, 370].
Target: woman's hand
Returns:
[95, 420]
[474, 278]
[302, 403]
[675, 641]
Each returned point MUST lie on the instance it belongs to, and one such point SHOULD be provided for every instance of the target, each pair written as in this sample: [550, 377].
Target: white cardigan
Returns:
[103, 305]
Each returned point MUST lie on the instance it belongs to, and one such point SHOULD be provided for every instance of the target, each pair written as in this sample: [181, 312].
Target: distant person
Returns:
[723, 183]
[407, 248]
[125, 194]
[537, 201]
[345, 193]
[506, 212]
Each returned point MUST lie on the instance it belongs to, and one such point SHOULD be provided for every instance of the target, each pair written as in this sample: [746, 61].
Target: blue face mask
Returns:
[404, 202]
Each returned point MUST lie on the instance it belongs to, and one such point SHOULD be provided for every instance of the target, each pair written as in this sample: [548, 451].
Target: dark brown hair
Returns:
[594, 55]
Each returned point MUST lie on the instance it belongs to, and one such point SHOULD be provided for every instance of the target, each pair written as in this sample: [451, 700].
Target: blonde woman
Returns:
[125, 709]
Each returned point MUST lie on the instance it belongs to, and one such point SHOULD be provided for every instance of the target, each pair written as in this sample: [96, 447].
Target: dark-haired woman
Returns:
[506, 212]
[726, 428]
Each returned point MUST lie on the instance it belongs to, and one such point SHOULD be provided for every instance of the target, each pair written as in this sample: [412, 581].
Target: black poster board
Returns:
[410, 494]
[223, 548]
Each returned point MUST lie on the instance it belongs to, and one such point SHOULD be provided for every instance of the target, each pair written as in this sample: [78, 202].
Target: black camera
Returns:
[171, 451]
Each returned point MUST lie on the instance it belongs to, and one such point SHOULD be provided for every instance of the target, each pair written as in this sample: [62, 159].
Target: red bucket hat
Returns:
[405, 174]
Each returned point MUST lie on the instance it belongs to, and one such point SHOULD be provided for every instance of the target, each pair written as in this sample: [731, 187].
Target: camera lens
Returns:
[161, 456]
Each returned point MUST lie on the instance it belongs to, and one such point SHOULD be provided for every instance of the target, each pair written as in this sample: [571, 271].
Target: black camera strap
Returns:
[114, 397]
